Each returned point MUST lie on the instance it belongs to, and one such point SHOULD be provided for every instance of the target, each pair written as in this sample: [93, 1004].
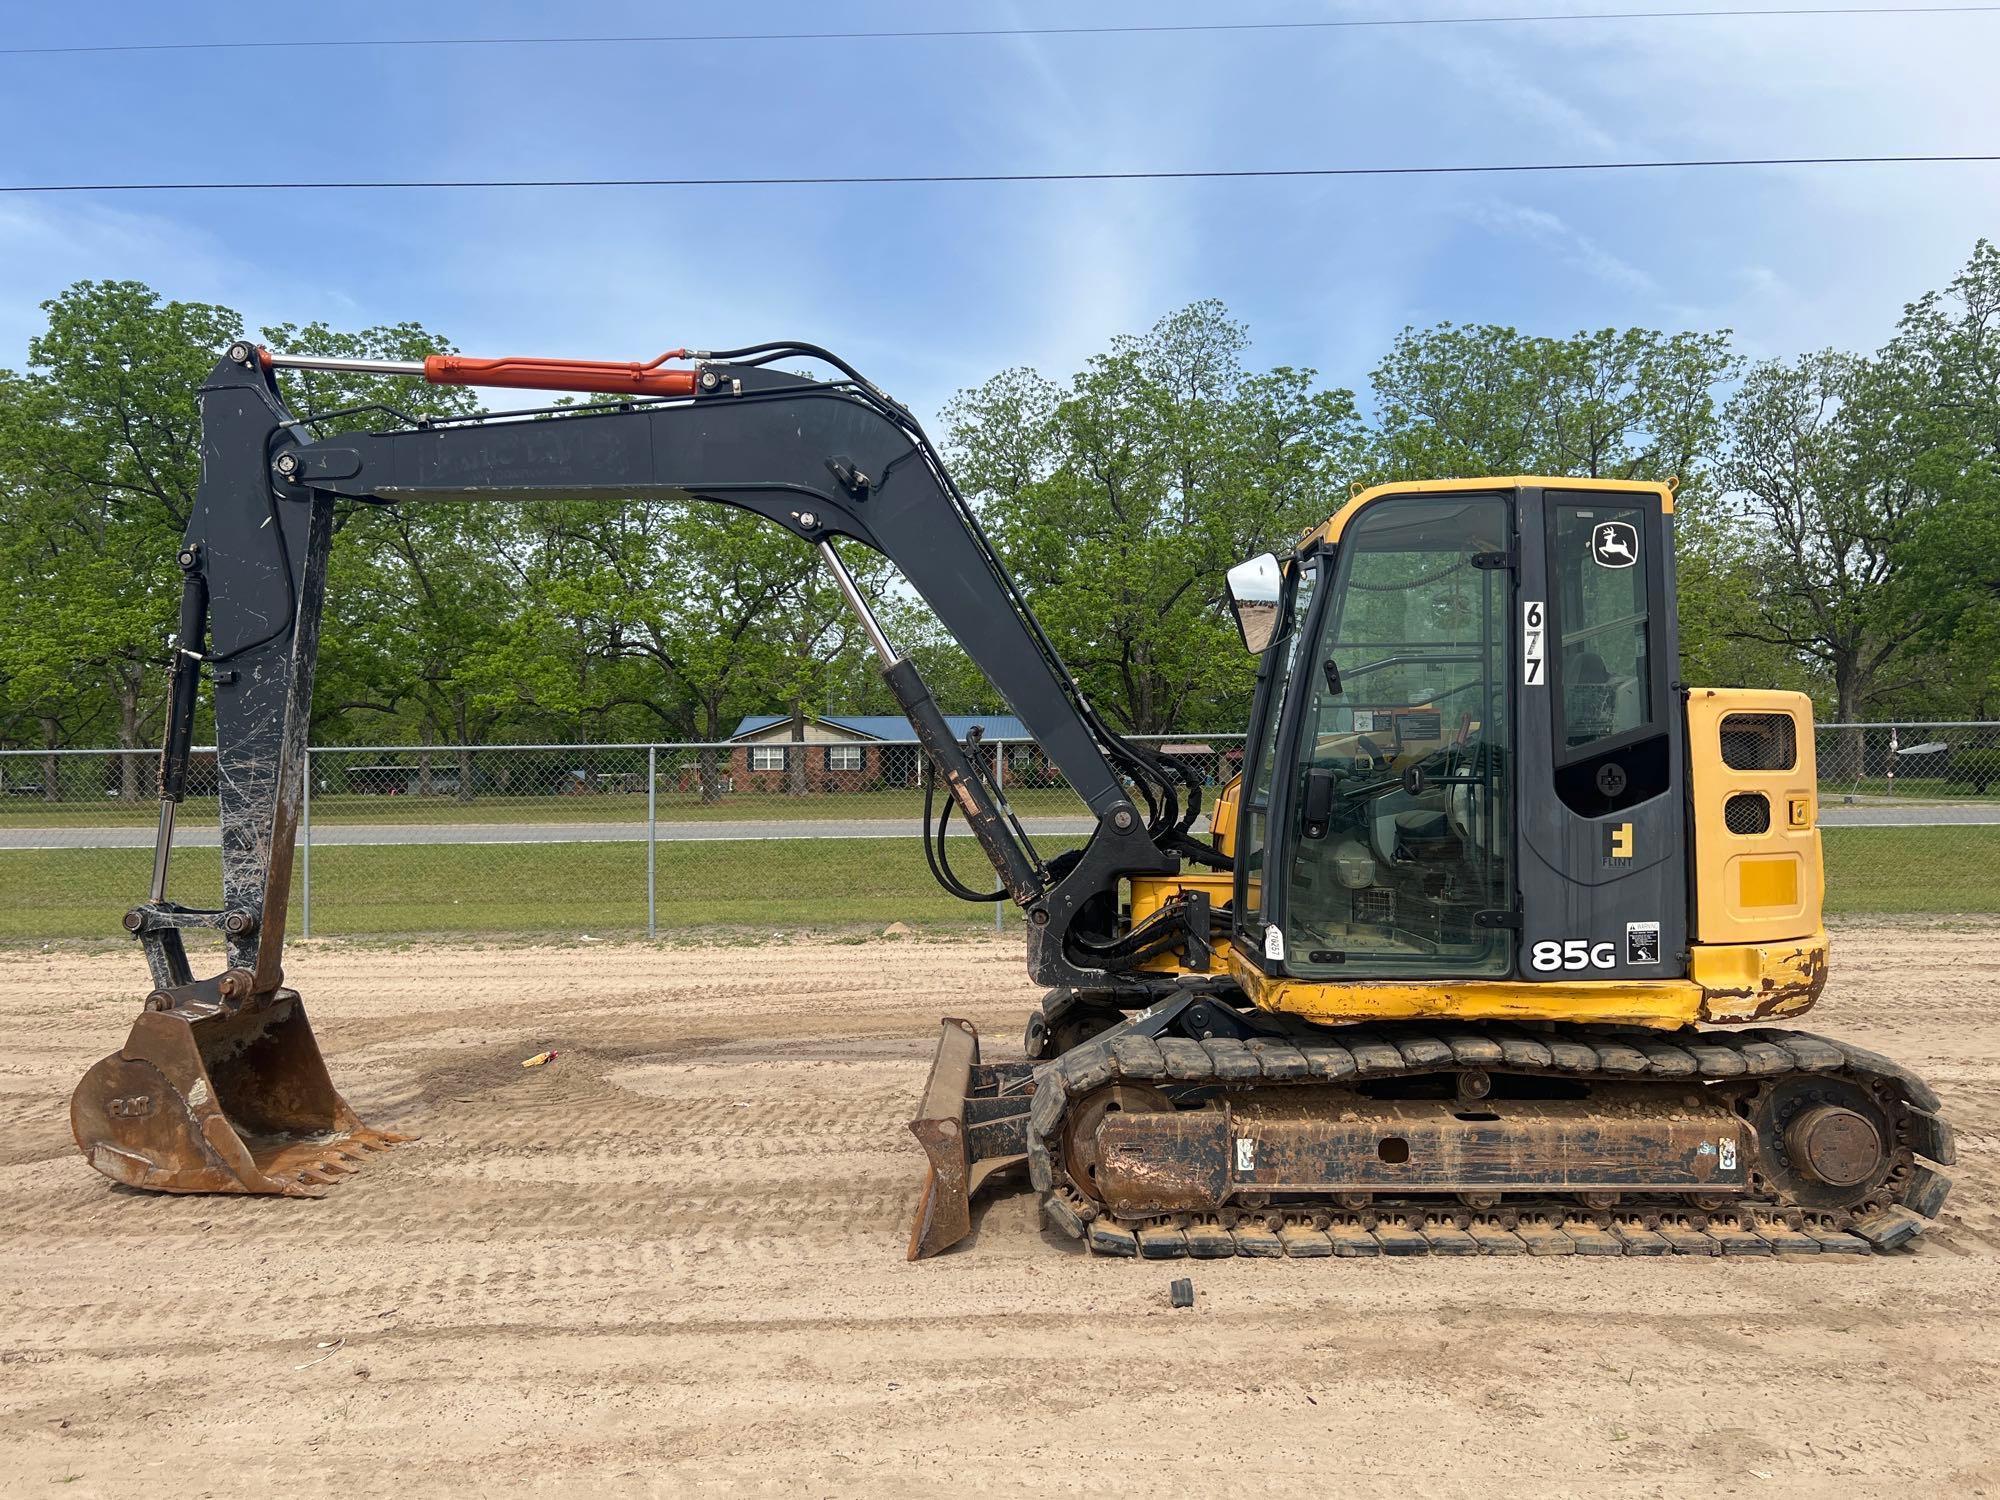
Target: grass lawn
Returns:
[568, 889]
[1913, 871]
[403, 890]
[901, 806]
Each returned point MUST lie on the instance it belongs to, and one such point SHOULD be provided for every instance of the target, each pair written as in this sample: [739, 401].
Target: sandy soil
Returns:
[671, 1262]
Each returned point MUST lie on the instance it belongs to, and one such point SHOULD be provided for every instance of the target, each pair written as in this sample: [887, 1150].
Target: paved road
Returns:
[1906, 815]
[1832, 815]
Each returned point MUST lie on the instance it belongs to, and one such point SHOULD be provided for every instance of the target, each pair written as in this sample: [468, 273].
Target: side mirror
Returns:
[1254, 590]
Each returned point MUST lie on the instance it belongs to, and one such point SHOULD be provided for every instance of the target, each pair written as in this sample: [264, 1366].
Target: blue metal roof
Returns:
[894, 726]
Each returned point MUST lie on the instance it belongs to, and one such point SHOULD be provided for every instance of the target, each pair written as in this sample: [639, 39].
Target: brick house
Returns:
[854, 752]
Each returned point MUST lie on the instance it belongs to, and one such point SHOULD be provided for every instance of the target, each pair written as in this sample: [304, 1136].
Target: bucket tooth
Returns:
[206, 1097]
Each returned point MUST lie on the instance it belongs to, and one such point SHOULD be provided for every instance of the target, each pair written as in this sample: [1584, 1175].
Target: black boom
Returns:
[826, 460]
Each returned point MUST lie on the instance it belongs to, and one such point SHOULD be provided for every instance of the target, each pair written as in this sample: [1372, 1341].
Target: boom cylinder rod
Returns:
[993, 824]
[351, 366]
[870, 626]
[183, 684]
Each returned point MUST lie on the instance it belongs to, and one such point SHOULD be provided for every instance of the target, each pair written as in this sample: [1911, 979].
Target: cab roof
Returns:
[1329, 530]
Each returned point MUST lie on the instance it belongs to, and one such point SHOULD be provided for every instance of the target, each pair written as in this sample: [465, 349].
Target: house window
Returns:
[767, 757]
[843, 757]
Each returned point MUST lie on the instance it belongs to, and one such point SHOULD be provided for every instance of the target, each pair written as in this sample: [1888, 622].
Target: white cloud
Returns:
[1572, 248]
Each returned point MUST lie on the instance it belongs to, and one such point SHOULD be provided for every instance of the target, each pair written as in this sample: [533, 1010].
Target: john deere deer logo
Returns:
[1615, 544]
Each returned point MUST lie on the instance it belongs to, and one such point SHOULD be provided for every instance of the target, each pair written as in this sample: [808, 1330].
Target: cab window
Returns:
[1603, 667]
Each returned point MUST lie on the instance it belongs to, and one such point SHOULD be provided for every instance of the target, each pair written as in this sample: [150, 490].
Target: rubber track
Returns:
[1353, 1054]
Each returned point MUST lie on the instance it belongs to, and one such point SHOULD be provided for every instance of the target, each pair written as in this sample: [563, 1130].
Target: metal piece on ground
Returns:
[1181, 1292]
[210, 1097]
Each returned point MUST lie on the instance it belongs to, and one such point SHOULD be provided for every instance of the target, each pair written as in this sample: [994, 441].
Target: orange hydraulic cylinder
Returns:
[610, 377]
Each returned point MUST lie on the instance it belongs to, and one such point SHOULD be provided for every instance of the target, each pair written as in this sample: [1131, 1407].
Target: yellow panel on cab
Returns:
[1752, 780]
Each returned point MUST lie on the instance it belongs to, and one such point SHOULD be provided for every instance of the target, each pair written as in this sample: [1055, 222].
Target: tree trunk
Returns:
[464, 755]
[1850, 757]
[708, 771]
[795, 756]
[129, 764]
[51, 762]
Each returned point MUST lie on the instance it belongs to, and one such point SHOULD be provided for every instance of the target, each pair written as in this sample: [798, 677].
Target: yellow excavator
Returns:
[1461, 964]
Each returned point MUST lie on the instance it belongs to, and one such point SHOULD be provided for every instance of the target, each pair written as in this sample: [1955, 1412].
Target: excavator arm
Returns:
[243, 1097]
[826, 460]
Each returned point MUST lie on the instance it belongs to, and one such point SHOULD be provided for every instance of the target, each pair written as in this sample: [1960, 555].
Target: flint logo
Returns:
[1614, 544]
[1618, 841]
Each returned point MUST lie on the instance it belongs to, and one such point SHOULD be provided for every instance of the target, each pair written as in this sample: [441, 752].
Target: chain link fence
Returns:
[1940, 761]
[762, 835]
[769, 835]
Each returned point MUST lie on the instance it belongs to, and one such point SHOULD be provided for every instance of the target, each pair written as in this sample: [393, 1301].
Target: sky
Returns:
[932, 288]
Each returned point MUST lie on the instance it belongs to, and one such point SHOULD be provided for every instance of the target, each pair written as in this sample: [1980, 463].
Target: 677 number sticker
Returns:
[1534, 634]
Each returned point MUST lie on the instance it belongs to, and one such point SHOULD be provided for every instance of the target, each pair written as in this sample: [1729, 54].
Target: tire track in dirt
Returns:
[672, 1260]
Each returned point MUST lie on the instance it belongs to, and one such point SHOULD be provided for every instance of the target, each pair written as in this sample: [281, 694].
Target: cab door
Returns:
[1602, 820]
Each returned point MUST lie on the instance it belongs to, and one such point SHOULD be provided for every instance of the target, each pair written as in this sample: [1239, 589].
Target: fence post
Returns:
[306, 852]
[652, 828]
[1000, 786]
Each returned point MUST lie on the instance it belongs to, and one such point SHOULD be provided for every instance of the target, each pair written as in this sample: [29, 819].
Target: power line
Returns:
[1142, 29]
[912, 178]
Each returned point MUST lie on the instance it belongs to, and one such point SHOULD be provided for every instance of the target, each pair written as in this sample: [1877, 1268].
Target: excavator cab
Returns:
[1468, 759]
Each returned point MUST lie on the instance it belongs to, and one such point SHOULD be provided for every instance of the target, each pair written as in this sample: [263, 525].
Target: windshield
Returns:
[1398, 825]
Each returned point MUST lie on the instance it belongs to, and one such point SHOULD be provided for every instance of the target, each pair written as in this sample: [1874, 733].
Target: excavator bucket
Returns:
[209, 1098]
[972, 1124]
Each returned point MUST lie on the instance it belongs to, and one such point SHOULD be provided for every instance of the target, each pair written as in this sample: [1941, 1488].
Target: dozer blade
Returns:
[972, 1125]
[207, 1098]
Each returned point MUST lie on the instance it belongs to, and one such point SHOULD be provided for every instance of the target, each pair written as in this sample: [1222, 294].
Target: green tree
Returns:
[692, 613]
[1121, 499]
[1831, 496]
[1615, 404]
[1935, 406]
[99, 458]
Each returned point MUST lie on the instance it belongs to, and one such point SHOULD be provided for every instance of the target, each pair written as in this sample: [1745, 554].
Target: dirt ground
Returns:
[672, 1262]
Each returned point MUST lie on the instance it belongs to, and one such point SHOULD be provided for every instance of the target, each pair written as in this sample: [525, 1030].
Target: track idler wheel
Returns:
[1080, 1148]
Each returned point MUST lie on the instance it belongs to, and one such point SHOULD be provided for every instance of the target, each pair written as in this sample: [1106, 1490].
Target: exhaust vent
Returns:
[1759, 742]
[1748, 812]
